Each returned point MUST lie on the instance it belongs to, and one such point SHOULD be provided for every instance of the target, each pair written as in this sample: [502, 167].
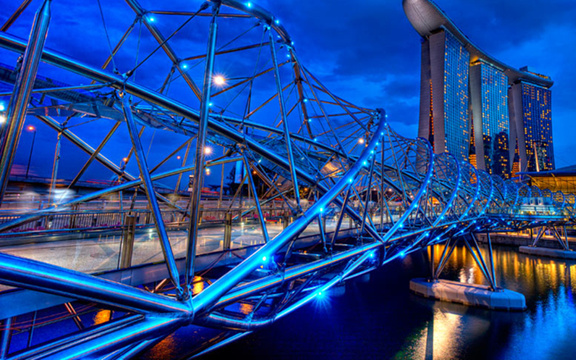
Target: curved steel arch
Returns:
[285, 127]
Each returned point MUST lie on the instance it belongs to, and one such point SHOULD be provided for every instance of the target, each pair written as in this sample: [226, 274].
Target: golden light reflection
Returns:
[246, 308]
[102, 317]
[197, 285]
[165, 349]
[441, 337]
[437, 339]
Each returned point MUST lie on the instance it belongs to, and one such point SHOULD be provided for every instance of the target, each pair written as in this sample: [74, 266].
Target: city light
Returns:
[219, 80]
[326, 212]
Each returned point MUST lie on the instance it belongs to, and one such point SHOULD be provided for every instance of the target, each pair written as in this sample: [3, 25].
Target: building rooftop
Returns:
[427, 18]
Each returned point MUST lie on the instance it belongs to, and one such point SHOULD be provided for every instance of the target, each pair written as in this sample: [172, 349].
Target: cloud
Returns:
[366, 52]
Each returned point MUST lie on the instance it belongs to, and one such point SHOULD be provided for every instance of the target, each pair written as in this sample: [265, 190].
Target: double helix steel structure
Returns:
[354, 194]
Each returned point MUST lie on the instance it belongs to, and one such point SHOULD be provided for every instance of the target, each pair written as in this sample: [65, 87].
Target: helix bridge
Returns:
[329, 189]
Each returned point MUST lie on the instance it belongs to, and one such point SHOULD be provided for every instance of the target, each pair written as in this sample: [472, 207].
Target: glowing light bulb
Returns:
[219, 80]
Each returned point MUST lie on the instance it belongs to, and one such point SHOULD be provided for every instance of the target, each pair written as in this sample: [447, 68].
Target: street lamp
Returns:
[219, 80]
[33, 129]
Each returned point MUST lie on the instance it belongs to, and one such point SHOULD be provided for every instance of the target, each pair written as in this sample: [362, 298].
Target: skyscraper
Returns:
[444, 107]
[475, 106]
[489, 93]
[532, 106]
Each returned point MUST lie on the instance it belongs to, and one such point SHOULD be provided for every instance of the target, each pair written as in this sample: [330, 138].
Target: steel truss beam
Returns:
[346, 160]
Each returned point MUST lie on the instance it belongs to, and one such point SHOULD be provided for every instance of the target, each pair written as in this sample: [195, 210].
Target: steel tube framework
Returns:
[328, 160]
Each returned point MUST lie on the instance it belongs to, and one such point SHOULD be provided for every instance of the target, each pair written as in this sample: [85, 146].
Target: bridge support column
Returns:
[200, 149]
[487, 296]
[10, 136]
[559, 235]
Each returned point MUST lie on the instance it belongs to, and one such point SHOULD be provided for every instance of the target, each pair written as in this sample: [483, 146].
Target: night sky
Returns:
[366, 52]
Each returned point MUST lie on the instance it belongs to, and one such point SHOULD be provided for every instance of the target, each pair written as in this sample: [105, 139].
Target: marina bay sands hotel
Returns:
[476, 107]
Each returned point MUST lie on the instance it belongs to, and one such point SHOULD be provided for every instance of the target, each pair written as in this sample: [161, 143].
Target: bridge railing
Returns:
[69, 220]
[530, 210]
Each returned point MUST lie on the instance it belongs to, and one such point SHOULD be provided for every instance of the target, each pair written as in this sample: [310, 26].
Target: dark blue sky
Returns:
[366, 52]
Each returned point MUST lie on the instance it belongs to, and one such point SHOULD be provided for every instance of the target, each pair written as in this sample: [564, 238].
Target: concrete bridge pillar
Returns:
[487, 296]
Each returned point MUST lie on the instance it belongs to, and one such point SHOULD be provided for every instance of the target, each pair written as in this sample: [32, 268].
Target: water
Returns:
[381, 319]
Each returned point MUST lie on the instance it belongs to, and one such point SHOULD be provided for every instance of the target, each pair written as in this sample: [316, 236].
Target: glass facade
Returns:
[495, 119]
[456, 98]
[537, 120]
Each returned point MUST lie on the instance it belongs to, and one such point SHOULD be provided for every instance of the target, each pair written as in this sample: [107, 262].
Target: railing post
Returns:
[227, 231]
[127, 241]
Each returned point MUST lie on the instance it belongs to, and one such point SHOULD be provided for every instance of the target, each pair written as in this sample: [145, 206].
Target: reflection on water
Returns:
[381, 319]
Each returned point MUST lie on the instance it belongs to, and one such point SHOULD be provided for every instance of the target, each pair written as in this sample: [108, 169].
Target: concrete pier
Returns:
[517, 239]
[554, 253]
[469, 294]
